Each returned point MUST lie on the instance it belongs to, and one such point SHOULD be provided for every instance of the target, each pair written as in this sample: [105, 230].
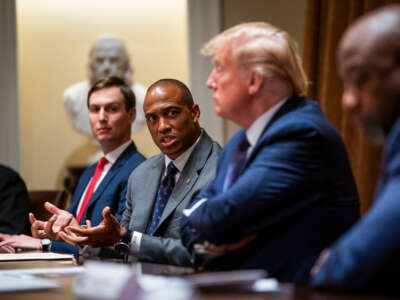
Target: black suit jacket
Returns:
[14, 203]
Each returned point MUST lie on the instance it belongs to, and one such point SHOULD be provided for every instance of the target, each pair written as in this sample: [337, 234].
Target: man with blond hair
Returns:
[284, 187]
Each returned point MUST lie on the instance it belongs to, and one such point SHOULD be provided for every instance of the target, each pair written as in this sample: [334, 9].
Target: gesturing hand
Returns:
[37, 227]
[108, 232]
[60, 219]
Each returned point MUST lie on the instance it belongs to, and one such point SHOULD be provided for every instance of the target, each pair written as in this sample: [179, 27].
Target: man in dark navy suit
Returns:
[111, 105]
[367, 256]
[284, 189]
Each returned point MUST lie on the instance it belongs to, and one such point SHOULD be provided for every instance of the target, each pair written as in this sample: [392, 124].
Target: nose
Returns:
[350, 99]
[163, 125]
[103, 115]
[210, 83]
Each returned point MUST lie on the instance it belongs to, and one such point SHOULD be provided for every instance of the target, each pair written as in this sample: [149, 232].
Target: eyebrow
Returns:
[109, 103]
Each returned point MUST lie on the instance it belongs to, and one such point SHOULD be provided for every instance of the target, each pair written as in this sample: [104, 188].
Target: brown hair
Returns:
[112, 81]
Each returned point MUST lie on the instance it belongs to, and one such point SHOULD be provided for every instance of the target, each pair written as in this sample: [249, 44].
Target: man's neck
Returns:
[107, 148]
[258, 108]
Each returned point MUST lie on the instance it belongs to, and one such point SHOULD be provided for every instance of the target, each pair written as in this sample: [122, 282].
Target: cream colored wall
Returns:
[54, 38]
[289, 15]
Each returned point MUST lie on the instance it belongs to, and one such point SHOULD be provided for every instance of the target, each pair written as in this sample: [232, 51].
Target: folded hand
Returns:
[22, 241]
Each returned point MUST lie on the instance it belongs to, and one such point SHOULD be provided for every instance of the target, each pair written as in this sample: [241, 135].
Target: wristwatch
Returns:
[46, 243]
[127, 237]
[123, 246]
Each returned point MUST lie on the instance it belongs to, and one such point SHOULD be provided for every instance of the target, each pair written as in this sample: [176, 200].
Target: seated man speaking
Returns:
[161, 187]
[111, 106]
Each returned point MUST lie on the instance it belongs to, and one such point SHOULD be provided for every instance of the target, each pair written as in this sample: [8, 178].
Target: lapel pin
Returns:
[188, 181]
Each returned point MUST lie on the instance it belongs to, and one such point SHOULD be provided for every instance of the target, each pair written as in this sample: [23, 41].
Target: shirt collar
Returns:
[255, 130]
[113, 155]
[180, 162]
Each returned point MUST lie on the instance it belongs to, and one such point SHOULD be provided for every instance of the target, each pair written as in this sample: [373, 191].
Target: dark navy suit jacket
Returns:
[296, 192]
[368, 256]
[111, 192]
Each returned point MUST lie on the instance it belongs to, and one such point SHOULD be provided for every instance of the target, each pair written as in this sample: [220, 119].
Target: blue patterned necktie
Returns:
[164, 191]
[237, 161]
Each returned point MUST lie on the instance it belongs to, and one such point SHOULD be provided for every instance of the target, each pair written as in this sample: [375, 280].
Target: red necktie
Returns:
[99, 169]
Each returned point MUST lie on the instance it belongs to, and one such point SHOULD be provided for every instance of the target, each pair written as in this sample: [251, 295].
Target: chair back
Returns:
[39, 197]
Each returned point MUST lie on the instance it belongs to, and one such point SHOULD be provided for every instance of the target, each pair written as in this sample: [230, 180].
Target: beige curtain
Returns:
[326, 22]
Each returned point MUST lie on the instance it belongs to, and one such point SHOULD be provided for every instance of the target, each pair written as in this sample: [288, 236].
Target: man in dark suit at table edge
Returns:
[367, 258]
[283, 182]
[14, 202]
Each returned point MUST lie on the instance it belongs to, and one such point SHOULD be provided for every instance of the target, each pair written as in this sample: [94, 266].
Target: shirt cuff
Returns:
[135, 242]
[187, 212]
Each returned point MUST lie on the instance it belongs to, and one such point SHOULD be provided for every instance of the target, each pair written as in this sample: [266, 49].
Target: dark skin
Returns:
[173, 123]
[172, 120]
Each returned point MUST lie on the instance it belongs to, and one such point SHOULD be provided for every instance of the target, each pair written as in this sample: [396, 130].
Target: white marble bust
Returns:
[107, 57]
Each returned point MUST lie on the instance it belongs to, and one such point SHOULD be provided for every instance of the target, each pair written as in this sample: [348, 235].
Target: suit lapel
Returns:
[146, 197]
[290, 105]
[110, 175]
[189, 175]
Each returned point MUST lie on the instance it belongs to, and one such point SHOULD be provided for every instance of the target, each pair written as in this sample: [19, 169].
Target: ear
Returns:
[132, 115]
[255, 82]
[195, 111]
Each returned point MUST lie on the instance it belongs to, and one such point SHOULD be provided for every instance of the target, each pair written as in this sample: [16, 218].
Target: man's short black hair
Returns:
[185, 92]
[111, 81]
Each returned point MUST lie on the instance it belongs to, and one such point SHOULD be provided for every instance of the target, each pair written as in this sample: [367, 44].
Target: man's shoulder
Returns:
[6, 171]
[149, 165]
[206, 150]
[8, 175]
[132, 154]
[299, 110]
[300, 115]
[207, 142]
[128, 161]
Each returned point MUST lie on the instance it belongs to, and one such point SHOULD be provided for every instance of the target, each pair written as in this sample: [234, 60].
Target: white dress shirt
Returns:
[111, 158]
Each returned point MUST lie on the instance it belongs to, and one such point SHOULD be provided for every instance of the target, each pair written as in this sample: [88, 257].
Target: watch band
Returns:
[127, 237]
[46, 243]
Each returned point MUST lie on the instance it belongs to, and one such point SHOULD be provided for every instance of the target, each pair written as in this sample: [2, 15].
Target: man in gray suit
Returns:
[161, 187]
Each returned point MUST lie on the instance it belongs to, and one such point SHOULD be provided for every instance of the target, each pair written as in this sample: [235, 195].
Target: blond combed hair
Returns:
[265, 48]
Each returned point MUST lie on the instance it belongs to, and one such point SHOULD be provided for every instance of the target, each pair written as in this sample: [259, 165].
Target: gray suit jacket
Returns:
[165, 246]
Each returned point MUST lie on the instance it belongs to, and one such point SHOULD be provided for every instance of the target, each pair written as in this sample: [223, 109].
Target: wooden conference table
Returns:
[286, 291]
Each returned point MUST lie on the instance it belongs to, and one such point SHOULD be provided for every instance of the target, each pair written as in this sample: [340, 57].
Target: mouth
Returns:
[167, 140]
[103, 130]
